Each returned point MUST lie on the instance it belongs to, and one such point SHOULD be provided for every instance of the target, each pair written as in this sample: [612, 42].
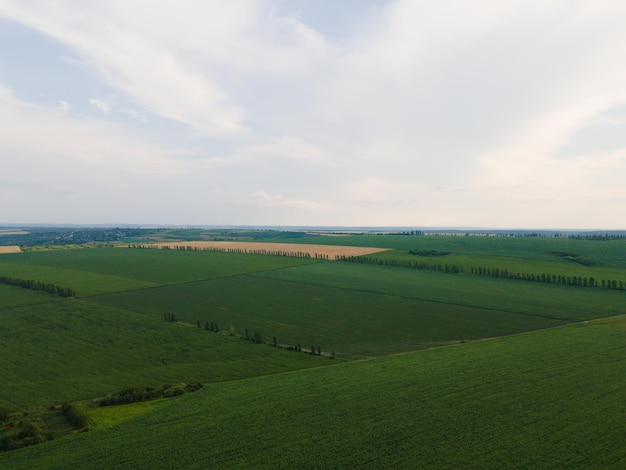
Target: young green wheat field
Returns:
[389, 360]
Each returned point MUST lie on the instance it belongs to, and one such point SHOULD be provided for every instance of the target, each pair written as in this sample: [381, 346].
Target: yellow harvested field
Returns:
[10, 249]
[13, 232]
[315, 251]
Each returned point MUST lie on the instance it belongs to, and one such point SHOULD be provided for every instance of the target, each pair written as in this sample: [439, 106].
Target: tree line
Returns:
[133, 395]
[256, 337]
[38, 285]
[578, 281]
[448, 268]
[599, 237]
[217, 249]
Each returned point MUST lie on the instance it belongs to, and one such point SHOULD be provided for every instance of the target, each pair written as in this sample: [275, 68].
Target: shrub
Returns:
[4, 413]
[6, 443]
[75, 415]
[29, 429]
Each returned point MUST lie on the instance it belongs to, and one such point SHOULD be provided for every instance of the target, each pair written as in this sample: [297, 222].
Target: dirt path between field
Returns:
[330, 252]
[9, 249]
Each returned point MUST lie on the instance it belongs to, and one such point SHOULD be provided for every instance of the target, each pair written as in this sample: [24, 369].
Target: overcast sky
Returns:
[482, 113]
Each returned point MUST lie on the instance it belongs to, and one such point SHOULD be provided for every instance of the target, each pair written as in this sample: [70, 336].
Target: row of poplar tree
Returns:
[579, 281]
[247, 251]
[38, 285]
[257, 337]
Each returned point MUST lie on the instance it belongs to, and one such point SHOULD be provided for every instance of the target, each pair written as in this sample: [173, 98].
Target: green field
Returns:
[546, 399]
[412, 382]
[153, 267]
[609, 253]
[76, 350]
[556, 265]
[348, 321]
[546, 300]
[11, 297]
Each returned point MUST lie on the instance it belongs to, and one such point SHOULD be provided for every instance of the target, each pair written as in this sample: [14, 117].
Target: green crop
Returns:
[549, 399]
[144, 317]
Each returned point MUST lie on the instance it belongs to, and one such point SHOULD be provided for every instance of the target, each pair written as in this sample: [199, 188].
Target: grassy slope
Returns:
[72, 350]
[549, 399]
[53, 350]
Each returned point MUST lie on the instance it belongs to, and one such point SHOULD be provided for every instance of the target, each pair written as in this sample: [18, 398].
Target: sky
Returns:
[408, 113]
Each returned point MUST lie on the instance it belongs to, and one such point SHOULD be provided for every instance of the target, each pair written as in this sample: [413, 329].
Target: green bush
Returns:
[29, 429]
[4, 413]
[75, 414]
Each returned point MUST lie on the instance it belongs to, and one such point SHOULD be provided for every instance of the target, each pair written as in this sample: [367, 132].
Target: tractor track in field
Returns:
[443, 302]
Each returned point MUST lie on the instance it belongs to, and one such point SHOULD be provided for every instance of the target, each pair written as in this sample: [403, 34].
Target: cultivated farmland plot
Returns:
[140, 318]
[289, 249]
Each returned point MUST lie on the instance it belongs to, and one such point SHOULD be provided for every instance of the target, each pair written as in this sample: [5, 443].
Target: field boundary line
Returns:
[570, 320]
[187, 282]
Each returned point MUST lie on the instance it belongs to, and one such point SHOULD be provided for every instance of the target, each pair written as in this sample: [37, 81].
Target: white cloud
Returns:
[139, 116]
[75, 145]
[63, 105]
[425, 113]
[100, 105]
[263, 198]
[115, 41]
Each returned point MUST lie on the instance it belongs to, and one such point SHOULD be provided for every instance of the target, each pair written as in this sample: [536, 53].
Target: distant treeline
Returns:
[217, 249]
[448, 268]
[38, 285]
[421, 252]
[620, 235]
[599, 237]
[70, 236]
[578, 281]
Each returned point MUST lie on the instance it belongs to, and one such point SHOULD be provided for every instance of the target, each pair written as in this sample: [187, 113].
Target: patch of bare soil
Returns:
[10, 249]
[315, 251]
